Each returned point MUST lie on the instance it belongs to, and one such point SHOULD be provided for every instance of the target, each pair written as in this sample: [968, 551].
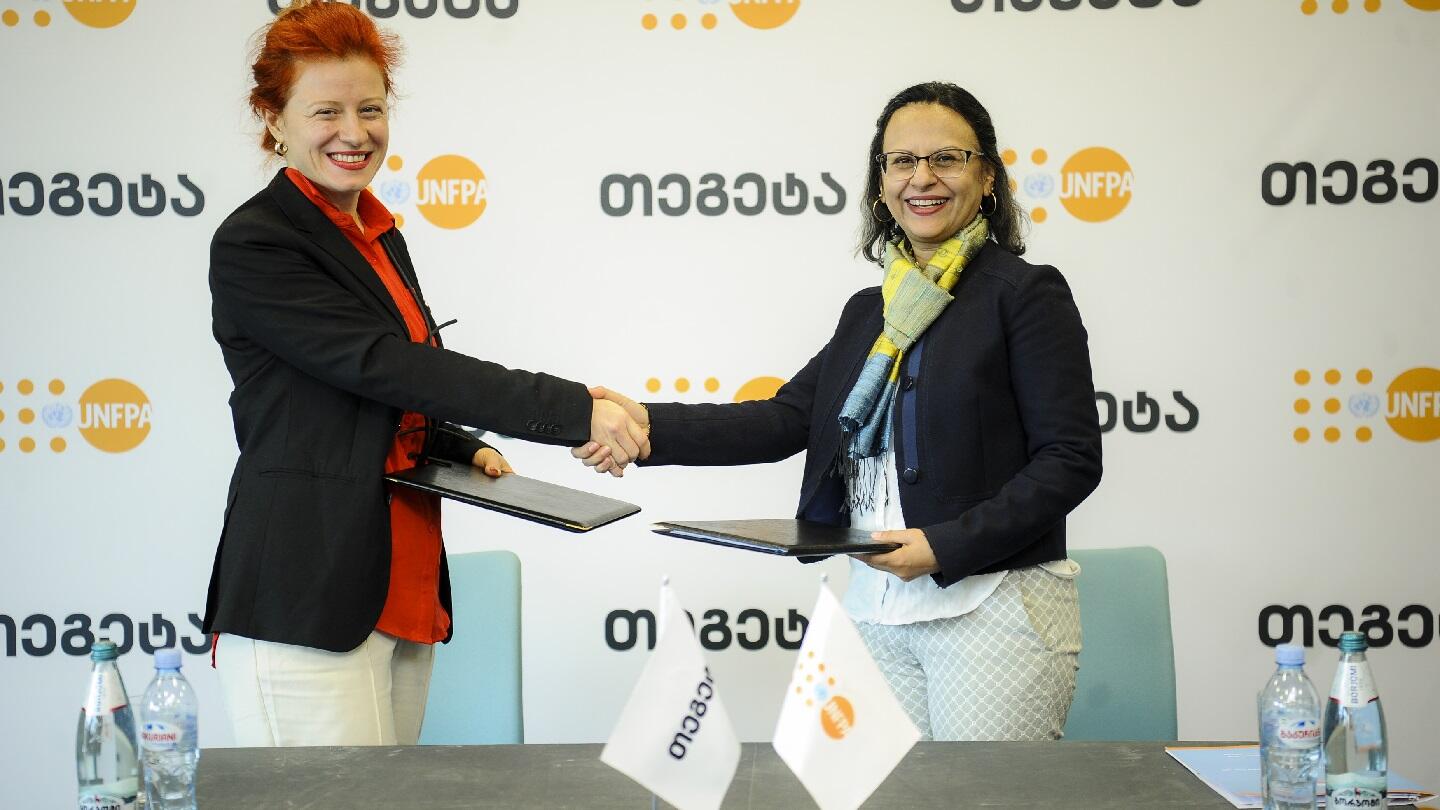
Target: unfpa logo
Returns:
[758, 14]
[93, 13]
[758, 388]
[450, 191]
[1094, 185]
[112, 415]
[815, 682]
[1370, 6]
[1410, 404]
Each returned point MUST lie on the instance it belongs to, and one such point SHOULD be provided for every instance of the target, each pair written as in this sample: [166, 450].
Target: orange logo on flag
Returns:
[837, 717]
[837, 714]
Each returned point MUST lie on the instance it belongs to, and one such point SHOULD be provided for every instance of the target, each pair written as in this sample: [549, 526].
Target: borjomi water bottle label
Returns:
[158, 735]
[1353, 687]
[105, 694]
[1298, 732]
[1355, 790]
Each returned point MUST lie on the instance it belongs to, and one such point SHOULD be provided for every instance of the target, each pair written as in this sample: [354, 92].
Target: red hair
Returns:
[313, 30]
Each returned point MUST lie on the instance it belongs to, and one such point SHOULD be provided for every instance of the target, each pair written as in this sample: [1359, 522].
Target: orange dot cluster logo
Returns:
[816, 682]
[92, 13]
[757, 388]
[449, 191]
[1409, 405]
[1370, 6]
[1093, 185]
[112, 415]
[761, 15]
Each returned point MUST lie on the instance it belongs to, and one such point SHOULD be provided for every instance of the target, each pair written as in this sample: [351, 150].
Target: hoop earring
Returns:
[281, 149]
[994, 205]
[875, 211]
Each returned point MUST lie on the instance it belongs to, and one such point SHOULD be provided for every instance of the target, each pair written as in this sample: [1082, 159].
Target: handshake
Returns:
[619, 433]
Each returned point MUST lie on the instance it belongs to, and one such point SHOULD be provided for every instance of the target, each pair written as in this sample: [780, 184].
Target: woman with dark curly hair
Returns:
[952, 412]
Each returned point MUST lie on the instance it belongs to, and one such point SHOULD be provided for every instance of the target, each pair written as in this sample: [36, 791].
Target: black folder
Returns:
[792, 538]
[529, 498]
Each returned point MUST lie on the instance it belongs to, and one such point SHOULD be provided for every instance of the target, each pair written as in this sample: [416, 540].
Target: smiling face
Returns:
[335, 126]
[927, 208]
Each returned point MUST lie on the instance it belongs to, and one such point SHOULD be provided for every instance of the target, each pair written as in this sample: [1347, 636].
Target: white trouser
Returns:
[285, 695]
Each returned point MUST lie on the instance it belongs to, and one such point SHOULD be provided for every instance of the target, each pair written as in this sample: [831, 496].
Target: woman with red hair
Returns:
[329, 590]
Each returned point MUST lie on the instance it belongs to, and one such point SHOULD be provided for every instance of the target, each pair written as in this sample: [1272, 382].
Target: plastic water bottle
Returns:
[1289, 734]
[1355, 755]
[105, 763]
[168, 736]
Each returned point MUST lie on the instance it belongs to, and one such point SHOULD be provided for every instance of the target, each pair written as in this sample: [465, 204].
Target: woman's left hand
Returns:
[490, 460]
[912, 560]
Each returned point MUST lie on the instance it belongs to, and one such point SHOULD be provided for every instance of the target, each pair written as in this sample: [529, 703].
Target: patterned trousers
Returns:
[1004, 671]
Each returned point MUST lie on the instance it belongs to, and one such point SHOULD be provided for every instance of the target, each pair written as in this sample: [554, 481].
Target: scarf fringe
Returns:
[864, 479]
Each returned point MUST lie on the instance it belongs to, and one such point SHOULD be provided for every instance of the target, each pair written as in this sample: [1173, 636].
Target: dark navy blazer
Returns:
[996, 434]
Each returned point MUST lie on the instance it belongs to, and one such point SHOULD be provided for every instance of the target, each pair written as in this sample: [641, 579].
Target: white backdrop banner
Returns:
[1241, 194]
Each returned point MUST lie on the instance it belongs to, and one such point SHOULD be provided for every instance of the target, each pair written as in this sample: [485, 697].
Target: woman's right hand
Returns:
[602, 456]
[615, 432]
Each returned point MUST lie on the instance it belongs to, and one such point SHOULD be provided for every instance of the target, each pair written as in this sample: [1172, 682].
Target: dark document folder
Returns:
[516, 495]
[792, 538]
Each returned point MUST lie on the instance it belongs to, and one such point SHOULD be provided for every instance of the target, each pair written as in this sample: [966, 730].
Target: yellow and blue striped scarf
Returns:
[913, 298]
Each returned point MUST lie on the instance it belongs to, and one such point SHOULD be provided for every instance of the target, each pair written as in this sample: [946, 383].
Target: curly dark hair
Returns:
[1007, 220]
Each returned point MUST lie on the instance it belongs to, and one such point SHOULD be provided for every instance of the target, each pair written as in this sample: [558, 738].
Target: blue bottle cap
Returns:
[103, 650]
[1352, 641]
[1290, 655]
[168, 658]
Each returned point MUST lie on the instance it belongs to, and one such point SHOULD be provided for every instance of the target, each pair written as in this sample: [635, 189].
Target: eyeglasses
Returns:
[946, 163]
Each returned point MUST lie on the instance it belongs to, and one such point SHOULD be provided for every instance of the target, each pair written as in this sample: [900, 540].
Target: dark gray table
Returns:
[521, 777]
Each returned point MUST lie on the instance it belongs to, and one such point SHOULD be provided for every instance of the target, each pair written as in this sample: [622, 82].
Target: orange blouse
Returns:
[412, 606]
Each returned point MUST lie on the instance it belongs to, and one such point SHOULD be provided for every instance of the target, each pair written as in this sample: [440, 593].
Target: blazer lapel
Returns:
[319, 229]
[394, 246]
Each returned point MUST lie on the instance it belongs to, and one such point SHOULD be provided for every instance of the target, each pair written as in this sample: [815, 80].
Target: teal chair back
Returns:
[475, 696]
[1125, 689]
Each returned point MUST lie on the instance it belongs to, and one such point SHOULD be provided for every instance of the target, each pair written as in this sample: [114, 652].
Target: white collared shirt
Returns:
[882, 598]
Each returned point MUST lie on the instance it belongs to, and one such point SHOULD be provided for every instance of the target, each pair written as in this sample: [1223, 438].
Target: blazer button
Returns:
[911, 475]
[908, 382]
